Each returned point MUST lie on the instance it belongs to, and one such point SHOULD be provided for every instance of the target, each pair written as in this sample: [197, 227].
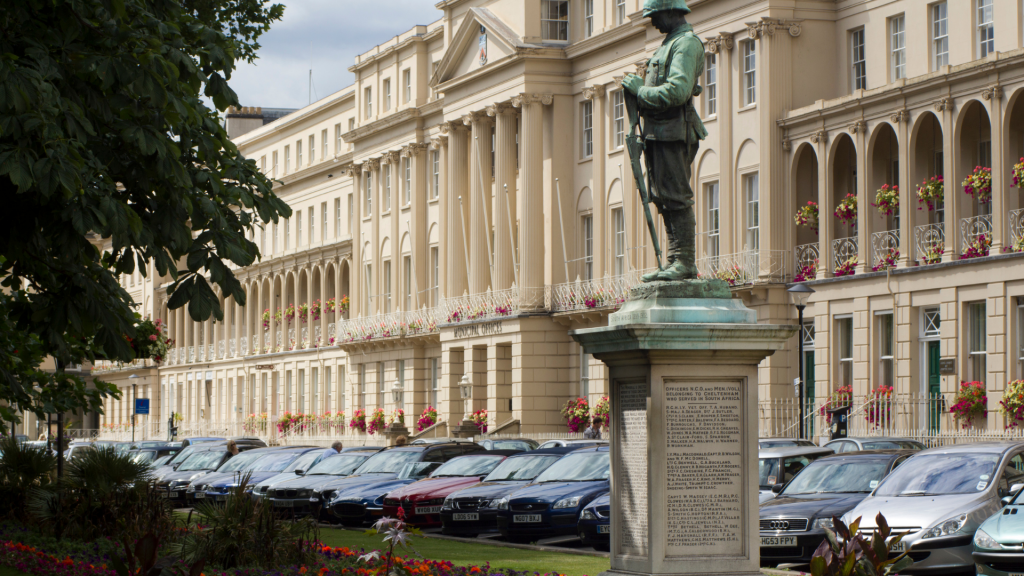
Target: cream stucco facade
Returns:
[467, 194]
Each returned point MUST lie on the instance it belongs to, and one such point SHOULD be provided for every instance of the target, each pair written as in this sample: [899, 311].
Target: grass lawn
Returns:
[5, 571]
[463, 554]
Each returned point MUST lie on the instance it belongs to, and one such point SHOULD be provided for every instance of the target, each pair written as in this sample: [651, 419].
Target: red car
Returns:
[421, 501]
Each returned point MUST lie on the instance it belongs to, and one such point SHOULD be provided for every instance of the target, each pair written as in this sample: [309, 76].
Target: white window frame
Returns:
[298, 155]
[898, 47]
[584, 374]
[337, 139]
[844, 344]
[940, 35]
[435, 380]
[858, 61]
[435, 190]
[407, 282]
[312, 150]
[712, 194]
[588, 18]
[587, 129]
[324, 217]
[386, 200]
[977, 351]
[287, 233]
[312, 226]
[931, 324]
[362, 385]
[435, 274]
[381, 386]
[618, 119]
[749, 73]
[368, 275]
[386, 285]
[554, 25]
[298, 228]
[407, 80]
[368, 193]
[337, 217]
[368, 106]
[407, 181]
[985, 27]
[885, 321]
[711, 85]
[287, 158]
[619, 240]
[323, 145]
[387, 94]
[620, 12]
[587, 241]
[752, 211]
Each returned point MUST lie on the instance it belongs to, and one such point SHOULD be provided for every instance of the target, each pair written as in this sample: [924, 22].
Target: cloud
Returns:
[328, 34]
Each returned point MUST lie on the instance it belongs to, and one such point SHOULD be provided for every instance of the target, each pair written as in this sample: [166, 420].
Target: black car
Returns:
[191, 448]
[360, 497]
[472, 511]
[793, 524]
[595, 524]
[203, 460]
[521, 444]
[151, 455]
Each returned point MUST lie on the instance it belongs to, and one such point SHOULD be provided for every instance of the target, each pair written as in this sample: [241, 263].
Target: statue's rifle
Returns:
[635, 147]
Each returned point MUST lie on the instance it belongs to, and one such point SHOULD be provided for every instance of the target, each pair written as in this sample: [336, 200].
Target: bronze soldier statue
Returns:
[672, 131]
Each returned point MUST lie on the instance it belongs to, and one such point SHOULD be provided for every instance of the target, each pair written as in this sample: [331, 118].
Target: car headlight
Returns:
[588, 515]
[946, 527]
[196, 475]
[501, 504]
[825, 524]
[448, 504]
[248, 489]
[570, 502]
[190, 488]
[303, 493]
[983, 540]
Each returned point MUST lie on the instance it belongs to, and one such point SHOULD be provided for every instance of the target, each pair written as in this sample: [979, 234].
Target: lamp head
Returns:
[800, 293]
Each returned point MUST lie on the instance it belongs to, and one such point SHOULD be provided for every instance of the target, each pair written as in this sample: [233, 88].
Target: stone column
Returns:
[908, 201]
[504, 176]
[273, 319]
[452, 369]
[866, 213]
[479, 204]
[729, 231]
[683, 361]
[458, 180]
[531, 199]
[826, 207]
[951, 203]
[1000, 182]
[441, 144]
[596, 94]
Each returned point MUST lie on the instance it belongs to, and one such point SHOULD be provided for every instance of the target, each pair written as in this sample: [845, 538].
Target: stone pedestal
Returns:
[464, 429]
[682, 361]
[396, 430]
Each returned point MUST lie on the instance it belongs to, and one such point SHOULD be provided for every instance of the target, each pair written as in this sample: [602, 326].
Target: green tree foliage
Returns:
[22, 468]
[105, 138]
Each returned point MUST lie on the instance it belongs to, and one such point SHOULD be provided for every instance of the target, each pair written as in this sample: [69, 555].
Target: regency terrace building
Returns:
[470, 195]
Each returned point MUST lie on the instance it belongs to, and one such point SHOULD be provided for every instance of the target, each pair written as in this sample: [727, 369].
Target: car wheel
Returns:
[602, 547]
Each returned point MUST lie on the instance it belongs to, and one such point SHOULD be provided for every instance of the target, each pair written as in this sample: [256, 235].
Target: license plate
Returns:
[282, 503]
[172, 494]
[428, 510]
[526, 518]
[777, 541]
[200, 495]
[604, 529]
[466, 516]
[901, 547]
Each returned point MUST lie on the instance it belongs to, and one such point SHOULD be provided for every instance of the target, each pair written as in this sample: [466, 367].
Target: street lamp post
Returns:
[801, 293]
[135, 396]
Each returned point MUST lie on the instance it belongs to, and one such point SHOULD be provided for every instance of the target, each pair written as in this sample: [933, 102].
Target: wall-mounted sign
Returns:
[484, 329]
[142, 406]
[264, 366]
[947, 366]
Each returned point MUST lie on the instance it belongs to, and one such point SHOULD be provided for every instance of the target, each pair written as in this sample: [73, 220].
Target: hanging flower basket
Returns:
[343, 304]
[375, 422]
[314, 311]
[848, 268]
[888, 260]
[887, 199]
[878, 411]
[978, 248]
[1018, 174]
[807, 272]
[930, 192]
[1013, 403]
[971, 402]
[358, 421]
[278, 315]
[979, 184]
[150, 341]
[603, 410]
[427, 419]
[846, 211]
[479, 419]
[266, 319]
[808, 216]
[843, 396]
[577, 414]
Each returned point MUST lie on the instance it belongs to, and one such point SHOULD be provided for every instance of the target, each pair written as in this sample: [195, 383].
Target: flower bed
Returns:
[888, 260]
[358, 421]
[971, 402]
[807, 272]
[933, 253]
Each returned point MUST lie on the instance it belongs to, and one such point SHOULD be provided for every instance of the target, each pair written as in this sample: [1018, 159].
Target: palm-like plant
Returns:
[22, 468]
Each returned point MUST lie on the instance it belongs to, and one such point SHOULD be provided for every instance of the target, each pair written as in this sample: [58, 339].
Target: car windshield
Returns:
[342, 465]
[144, 456]
[417, 470]
[303, 462]
[162, 460]
[183, 455]
[202, 461]
[240, 462]
[273, 462]
[892, 445]
[522, 468]
[938, 474]
[150, 444]
[468, 466]
[388, 461]
[511, 445]
[578, 467]
[838, 477]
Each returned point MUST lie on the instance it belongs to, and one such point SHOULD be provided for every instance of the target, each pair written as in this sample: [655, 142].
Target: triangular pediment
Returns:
[465, 53]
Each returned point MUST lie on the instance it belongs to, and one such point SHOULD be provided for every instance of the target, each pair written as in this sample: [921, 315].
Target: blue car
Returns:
[258, 466]
[472, 511]
[595, 525]
[300, 495]
[355, 503]
[551, 505]
[298, 467]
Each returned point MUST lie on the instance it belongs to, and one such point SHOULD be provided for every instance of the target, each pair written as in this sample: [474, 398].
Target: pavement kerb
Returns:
[500, 544]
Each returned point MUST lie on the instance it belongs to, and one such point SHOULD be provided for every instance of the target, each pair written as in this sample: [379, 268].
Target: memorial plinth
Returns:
[682, 360]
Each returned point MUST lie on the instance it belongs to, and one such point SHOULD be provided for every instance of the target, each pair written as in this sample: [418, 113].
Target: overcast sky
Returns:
[333, 32]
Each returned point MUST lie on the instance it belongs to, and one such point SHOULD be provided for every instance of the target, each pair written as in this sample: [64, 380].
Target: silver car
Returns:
[776, 466]
[939, 497]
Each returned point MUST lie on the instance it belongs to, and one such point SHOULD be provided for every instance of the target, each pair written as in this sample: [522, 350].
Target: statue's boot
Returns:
[670, 255]
[682, 246]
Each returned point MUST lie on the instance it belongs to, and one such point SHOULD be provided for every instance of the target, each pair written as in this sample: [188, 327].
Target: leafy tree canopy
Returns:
[105, 141]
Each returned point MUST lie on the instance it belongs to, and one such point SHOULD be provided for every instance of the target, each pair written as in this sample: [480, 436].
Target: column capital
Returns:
[898, 116]
[439, 142]
[499, 108]
[546, 99]
[617, 80]
[716, 44]
[768, 26]
[390, 157]
[372, 164]
[943, 105]
[994, 92]
[594, 92]
[413, 149]
[469, 119]
[819, 137]
[451, 126]
[858, 127]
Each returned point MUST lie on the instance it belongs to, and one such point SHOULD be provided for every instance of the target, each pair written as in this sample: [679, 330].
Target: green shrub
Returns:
[22, 468]
[855, 555]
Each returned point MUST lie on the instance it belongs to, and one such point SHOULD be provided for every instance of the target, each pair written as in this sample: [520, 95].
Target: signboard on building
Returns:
[947, 366]
[142, 406]
[264, 366]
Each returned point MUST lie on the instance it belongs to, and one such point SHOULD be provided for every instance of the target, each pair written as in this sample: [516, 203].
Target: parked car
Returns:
[422, 500]
[202, 462]
[360, 497]
[595, 524]
[940, 497]
[519, 444]
[471, 511]
[997, 543]
[873, 443]
[201, 440]
[793, 524]
[780, 465]
[764, 443]
[254, 466]
[188, 451]
[76, 450]
[442, 441]
[150, 455]
[551, 505]
[574, 443]
[298, 467]
[160, 461]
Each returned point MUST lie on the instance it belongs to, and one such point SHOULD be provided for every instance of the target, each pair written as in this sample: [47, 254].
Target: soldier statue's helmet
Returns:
[652, 6]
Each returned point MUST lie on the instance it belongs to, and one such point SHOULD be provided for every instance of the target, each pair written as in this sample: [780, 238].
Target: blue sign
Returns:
[142, 406]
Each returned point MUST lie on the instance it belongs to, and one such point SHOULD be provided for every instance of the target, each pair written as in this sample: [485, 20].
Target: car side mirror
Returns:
[777, 489]
[1006, 500]
[300, 472]
[1015, 488]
